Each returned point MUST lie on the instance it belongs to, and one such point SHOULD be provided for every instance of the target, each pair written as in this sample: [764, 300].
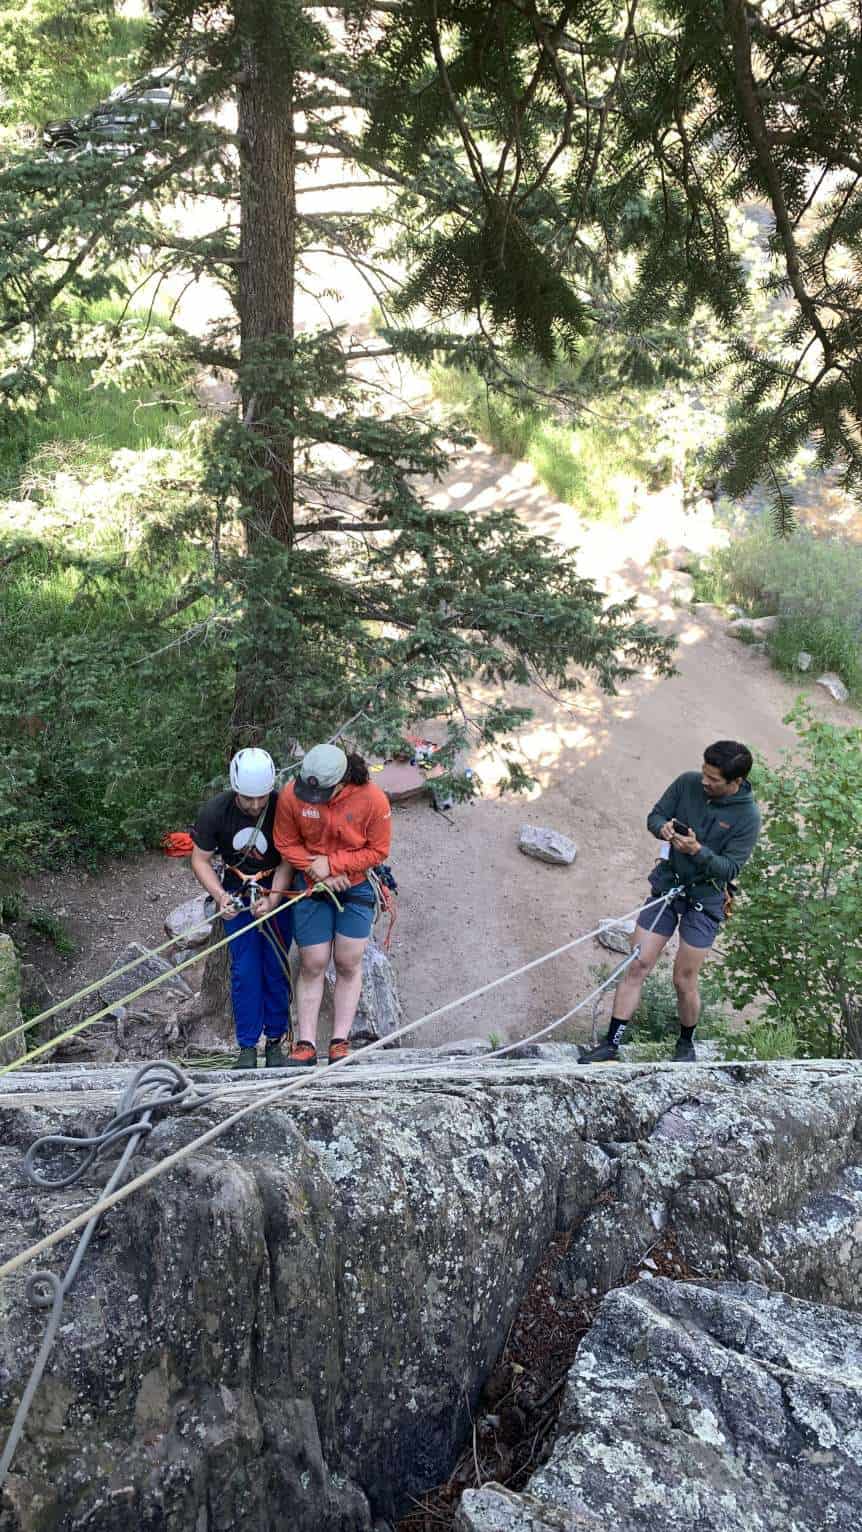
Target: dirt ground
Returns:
[471, 906]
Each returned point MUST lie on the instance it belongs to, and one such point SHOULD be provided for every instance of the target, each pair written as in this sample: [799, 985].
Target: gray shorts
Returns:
[699, 921]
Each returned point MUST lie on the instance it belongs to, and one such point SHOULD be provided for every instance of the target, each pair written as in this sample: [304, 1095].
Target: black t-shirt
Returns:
[222, 826]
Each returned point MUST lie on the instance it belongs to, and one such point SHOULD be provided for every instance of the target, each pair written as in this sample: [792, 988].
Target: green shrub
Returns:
[60, 60]
[813, 584]
[51, 929]
[92, 713]
[762, 1040]
[794, 948]
[657, 1018]
[102, 691]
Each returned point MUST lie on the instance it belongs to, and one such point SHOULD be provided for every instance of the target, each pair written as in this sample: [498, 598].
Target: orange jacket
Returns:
[354, 830]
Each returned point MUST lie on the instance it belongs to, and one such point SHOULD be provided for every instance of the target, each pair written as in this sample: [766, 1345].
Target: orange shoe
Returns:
[339, 1048]
[301, 1056]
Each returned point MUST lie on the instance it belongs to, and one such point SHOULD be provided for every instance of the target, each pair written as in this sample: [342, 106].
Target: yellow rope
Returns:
[106, 1010]
[88, 989]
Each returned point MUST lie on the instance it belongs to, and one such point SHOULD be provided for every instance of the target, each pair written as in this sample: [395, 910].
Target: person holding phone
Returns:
[707, 822]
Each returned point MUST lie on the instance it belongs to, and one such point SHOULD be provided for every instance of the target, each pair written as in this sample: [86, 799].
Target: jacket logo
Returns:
[311, 813]
[724, 824]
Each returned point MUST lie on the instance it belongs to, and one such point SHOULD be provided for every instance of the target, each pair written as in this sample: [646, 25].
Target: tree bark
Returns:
[265, 305]
[267, 274]
[211, 1016]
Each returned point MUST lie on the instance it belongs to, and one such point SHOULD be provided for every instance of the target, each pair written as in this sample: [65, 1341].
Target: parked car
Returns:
[119, 124]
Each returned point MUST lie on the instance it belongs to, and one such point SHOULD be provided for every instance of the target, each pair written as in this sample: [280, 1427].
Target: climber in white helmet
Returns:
[237, 827]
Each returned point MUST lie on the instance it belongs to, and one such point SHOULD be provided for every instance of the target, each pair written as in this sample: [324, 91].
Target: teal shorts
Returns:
[318, 919]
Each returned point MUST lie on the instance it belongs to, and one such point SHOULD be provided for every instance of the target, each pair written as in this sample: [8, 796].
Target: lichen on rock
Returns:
[716, 1407]
[294, 1326]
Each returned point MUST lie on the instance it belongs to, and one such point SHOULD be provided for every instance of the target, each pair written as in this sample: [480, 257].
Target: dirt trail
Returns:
[471, 905]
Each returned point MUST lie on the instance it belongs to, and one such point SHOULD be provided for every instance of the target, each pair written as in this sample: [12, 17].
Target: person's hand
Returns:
[318, 869]
[267, 904]
[225, 905]
[666, 832]
[689, 844]
[338, 882]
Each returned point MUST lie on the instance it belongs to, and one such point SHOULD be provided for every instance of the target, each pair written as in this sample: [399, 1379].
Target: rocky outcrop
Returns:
[292, 1328]
[761, 627]
[718, 1408]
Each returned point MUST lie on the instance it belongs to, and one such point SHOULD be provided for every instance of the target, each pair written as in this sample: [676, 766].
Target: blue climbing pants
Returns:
[259, 985]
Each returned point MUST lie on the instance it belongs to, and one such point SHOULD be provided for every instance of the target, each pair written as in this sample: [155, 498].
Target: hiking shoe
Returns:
[603, 1053]
[301, 1056]
[339, 1048]
[276, 1058]
[246, 1059]
[684, 1052]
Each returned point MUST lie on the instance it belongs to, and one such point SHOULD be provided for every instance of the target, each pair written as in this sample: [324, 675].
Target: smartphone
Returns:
[679, 828]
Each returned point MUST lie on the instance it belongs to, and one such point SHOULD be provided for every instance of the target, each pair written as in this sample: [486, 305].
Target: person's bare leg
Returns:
[628, 991]
[309, 989]
[348, 982]
[686, 970]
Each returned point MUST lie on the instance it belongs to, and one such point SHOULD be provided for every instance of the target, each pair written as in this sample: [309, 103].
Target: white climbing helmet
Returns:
[252, 773]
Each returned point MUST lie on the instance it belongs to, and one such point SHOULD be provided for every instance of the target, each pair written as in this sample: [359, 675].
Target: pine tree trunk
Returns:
[267, 272]
[211, 1017]
[265, 302]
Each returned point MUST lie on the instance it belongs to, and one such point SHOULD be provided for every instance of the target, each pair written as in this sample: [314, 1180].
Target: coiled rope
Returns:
[153, 1090]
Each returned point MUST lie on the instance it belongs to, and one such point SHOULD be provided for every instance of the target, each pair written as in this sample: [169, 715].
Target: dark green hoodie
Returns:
[727, 829]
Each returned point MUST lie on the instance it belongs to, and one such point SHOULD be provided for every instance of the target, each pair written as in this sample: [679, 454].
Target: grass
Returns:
[657, 1019]
[61, 61]
[592, 466]
[814, 586]
[81, 421]
[762, 1040]
[43, 923]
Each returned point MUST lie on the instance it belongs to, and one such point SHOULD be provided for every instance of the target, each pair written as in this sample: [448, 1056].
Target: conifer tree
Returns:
[603, 130]
[348, 595]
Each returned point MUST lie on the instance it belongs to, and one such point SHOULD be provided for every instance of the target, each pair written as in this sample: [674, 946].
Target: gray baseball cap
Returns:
[320, 773]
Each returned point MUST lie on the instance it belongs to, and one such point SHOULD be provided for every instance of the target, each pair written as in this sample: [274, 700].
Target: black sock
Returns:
[616, 1031]
[687, 1032]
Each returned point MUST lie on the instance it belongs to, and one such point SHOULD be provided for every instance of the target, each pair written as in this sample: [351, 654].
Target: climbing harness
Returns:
[162, 1087]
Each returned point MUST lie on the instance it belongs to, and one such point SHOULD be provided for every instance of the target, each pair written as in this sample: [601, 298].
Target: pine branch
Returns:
[752, 112]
